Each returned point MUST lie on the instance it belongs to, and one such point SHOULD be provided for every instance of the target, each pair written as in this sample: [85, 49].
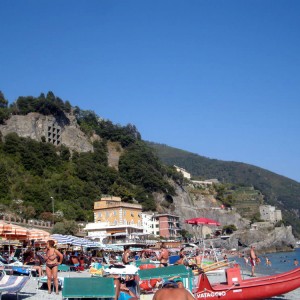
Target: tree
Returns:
[3, 101]
[65, 227]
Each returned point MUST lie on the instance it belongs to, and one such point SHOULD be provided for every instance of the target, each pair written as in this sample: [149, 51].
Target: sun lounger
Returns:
[88, 287]
[12, 284]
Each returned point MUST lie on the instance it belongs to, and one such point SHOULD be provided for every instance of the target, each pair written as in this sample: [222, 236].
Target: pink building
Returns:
[169, 225]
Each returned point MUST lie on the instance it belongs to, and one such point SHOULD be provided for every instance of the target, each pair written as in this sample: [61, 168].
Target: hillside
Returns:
[49, 149]
[278, 190]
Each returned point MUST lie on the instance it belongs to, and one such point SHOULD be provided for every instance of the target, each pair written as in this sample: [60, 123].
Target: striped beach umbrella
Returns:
[62, 239]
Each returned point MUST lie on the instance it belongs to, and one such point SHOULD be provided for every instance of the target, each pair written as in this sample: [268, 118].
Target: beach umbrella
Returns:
[62, 239]
[202, 221]
[82, 242]
[37, 234]
[14, 232]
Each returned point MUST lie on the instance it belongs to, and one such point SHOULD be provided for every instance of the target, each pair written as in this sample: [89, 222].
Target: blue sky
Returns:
[216, 78]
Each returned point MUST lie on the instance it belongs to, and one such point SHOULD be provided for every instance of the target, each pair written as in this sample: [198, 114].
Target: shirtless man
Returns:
[171, 291]
[198, 258]
[164, 256]
[252, 260]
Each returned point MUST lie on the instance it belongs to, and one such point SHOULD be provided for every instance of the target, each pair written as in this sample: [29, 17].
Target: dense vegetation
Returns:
[279, 191]
[32, 172]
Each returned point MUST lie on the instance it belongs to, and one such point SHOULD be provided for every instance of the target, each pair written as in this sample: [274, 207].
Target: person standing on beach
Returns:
[126, 257]
[252, 260]
[163, 257]
[53, 258]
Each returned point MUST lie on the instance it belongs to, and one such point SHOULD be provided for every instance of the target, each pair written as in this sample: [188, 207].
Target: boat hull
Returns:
[251, 289]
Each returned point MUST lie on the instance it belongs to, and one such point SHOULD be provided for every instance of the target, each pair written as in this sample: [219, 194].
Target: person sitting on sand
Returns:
[33, 260]
[171, 291]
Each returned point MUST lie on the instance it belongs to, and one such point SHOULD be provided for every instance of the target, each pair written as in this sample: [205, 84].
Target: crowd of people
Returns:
[172, 288]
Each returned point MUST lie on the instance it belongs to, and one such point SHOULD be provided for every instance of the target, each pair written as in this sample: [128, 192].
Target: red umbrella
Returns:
[202, 221]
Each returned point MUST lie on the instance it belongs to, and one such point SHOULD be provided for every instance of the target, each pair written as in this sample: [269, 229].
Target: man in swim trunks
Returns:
[163, 257]
[252, 260]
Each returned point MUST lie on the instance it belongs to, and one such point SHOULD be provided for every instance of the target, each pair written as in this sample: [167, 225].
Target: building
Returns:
[205, 182]
[166, 225]
[185, 173]
[270, 213]
[147, 223]
[112, 217]
[116, 212]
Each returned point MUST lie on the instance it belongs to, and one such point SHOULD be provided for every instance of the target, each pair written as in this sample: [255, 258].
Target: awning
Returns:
[120, 234]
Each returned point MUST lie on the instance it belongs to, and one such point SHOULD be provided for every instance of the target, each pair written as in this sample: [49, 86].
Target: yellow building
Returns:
[115, 212]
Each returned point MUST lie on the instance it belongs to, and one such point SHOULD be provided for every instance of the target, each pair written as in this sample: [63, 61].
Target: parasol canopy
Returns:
[74, 241]
[37, 234]
[202, 221]
[13, 232]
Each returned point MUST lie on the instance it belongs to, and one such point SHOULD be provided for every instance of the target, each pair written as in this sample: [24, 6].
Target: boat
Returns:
[236, 288]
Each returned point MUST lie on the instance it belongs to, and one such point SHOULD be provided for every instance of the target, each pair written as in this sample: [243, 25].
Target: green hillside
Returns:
[278, 190]
[31, 172]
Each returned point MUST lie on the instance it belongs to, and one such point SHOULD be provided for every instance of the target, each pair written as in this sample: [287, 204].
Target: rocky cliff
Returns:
[276, 239]
[187, 207]
[50, 128]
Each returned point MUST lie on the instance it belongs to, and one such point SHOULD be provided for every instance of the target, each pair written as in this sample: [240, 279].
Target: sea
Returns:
[280, 262]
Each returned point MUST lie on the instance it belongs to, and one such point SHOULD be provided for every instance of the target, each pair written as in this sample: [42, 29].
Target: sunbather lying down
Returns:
[171, 291]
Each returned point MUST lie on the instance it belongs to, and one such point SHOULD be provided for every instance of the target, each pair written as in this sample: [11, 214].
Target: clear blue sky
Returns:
[217, 78]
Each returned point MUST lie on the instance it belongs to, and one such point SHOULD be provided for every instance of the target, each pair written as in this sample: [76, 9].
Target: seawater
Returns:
[280, 262]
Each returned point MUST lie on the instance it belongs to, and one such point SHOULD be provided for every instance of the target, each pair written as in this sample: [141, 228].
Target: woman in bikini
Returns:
[53, 258]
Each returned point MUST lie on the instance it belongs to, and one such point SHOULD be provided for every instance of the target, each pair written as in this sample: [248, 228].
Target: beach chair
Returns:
[12, 284]
[150, 277]
[88, 287]
[64, 268]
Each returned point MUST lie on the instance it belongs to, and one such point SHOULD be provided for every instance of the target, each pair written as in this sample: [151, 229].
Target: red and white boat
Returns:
[236, 288]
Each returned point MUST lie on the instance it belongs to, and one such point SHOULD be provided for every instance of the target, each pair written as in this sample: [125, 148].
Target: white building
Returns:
[185, 173]
[270, 213]
[147, 223]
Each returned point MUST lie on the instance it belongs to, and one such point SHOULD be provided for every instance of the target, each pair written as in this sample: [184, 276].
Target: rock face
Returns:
[266, 240]
[54, 130]
[277, 239]
[114, 152]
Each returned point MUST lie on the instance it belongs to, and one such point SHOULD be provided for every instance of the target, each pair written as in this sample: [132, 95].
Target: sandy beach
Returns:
[33, 290]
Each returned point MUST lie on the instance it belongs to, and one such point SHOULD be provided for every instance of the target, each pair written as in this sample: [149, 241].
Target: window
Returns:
[124, 212]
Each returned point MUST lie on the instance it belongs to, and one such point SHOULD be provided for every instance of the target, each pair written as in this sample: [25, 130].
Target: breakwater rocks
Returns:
[266, 241]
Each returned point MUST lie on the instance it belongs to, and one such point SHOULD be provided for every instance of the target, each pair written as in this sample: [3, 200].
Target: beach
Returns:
[33, 290]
